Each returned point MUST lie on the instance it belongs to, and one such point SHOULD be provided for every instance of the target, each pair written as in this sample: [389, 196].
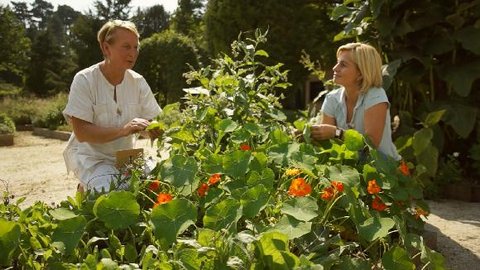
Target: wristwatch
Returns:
[338, 133]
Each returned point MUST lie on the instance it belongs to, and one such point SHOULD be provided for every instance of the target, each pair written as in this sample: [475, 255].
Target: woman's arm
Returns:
[91, 133]
[326, 129]
[374, 122]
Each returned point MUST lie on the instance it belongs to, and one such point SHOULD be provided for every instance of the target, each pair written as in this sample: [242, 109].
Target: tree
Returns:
[41, 12]
[164, 58]
[293, 27]
[113, 9]
[187, 17]
[22, 13]
[151, 20]
[15, 48]
[84, 40]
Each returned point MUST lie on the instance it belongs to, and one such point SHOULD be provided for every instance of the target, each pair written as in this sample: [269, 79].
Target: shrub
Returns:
[7, 126]
[51, 115]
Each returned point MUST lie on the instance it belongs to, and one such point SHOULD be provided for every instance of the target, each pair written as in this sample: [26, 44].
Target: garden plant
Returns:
[235, 189]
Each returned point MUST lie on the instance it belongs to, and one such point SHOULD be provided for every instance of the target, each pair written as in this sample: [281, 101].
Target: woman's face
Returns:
[123, 51]
[345, 72]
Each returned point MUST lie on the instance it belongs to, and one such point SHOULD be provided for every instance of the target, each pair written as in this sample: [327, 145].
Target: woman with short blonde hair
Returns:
[360, 103]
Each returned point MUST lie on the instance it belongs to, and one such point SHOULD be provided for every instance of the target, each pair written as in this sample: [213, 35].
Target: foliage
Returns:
[112, 9]
[293, 26]
[235, 191]
[15, 47]
[7, 126]
[150, 21]
[163, 59]
[51, 116]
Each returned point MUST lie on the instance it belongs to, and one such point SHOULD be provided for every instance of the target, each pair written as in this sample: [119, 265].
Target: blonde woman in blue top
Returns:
[361, 103]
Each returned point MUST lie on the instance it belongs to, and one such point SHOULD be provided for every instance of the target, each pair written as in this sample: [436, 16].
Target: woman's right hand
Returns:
[135, 126]
[322, 132]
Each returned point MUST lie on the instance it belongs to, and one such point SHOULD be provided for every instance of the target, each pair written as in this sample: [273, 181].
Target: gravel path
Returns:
[34, 168]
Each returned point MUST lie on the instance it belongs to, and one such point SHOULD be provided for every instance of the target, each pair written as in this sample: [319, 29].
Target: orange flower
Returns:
[202, 190]
[378, 205]
[373, 188]
[162, 198]
[215, 178]
[404, 168]
[420, 212]
[299, 188]
[245, 147]
[292, 172]
[337, 185]
[327, 193]
[154, 185]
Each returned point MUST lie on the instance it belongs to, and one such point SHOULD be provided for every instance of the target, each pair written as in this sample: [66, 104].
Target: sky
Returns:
[84, 5]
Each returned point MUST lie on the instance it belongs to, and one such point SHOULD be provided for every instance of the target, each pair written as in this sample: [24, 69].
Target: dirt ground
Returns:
[34, 168]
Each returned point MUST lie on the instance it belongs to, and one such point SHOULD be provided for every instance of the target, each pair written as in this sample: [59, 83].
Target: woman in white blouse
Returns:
[108, 103]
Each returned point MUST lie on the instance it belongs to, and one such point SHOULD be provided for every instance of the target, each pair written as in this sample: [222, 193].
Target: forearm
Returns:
[91, 133]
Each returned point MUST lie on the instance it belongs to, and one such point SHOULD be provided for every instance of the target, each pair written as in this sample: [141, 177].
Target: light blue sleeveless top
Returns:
[335, 106]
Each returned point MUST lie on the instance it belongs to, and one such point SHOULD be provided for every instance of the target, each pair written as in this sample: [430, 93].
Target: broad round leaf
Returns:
[374, 228]
[223, 215]
[171, 219]
[397, 258]
[254, 200]
[179, 170]
[292, 227]
[353, 140]
[9, 239]
[302, 208]
[69, 232]
[117, 209]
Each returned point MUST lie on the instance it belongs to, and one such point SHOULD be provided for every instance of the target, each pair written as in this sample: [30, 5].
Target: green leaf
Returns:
[9, 240]
[461, 118]
[345, 174]
[292, 227]
[301, 208]
[354, 263]
[223, 215]
[69, 232]
[261, 53]
[235, 164]
[179, 170]
[172, 218]
[226, 125]
[421, 140]
[353, 140]
[388, 73]
[131, 253]
[374, 228]
[461, 77]
[274, 251]
[338, 12]
[281, 153]
[433, 118]
[117, 209]
[189, 258]
[254, 200]
[266, 179]
[62, 214]
[397, 258]
[465, 37]
[429, 159]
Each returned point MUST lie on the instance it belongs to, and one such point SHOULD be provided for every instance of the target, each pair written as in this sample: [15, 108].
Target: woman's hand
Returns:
[323, 132]
[135, 125]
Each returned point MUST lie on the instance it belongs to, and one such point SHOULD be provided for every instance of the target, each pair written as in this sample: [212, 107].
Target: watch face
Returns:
[337, 132]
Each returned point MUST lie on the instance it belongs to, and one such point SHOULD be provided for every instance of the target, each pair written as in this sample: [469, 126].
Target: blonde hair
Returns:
[106, 33]
[368, 61]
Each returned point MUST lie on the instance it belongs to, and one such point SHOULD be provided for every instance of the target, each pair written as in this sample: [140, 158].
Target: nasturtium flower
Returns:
[154, 185]
[373, 187]
[299, 188]
[328, 193]
[215, 178]
[245, 147]
[404, 168]
[377, 204]
[162, 198]
[337, 185]
[202, 190]
[292, 172]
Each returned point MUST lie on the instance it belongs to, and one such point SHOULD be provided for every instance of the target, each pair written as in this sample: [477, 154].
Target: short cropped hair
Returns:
[368, 61]
[106, 33]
